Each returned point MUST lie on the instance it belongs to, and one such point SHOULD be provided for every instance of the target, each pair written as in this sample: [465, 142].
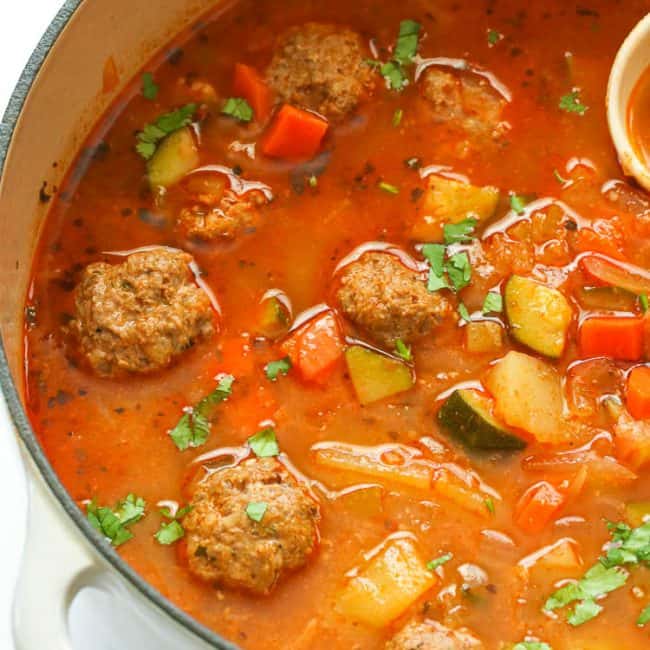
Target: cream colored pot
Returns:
[56, 102]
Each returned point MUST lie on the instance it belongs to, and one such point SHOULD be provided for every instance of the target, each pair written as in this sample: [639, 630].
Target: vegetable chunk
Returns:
[450, 201]
[390, 583]
[376, 376]
[176, 156]
[539, 316]
[528, 396]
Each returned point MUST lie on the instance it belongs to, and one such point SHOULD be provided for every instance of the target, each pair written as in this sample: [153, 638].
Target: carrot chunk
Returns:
[539, 504]
[294, 134]
[315, 348]
[638, 393]
[612, 336]
[248, 84]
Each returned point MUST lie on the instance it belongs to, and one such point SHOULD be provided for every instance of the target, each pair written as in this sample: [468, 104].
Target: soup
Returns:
[338, 329]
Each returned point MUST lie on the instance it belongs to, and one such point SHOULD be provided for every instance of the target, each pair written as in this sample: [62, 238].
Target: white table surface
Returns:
[21, 25]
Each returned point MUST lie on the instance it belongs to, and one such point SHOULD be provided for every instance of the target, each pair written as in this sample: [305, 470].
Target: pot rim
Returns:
[10, 391]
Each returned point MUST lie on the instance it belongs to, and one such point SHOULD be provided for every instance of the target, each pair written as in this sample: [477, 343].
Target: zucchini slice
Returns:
[449, 201]
[176, 156]
[539, 316]
[467, 415]
[375, 375]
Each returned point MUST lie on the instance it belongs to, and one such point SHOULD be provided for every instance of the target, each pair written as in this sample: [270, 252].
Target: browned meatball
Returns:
[226, 546]
[214, 209]
[430, 635]
[138, 316]
[464, 101]
[388, 300]
[321, 67]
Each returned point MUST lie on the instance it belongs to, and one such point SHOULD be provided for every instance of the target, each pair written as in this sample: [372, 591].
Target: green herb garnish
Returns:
[643, 302]
[571, 103]
[313, 181]
[459, 270]
[149, 87]
[403, 350]
[439, 561]
[256, 510]
[274, 369]
[407, 41]
[531, 645]
[193, 429]
[397, 117]
[264, 443]
[435, 255]
[463, 313]
[493, 37]
[461, 232]
[489, 504]
[238, 108]
[387, 187]
[559, 178]
[493, 303]
[151, 135]
[518, 203]
[171, 531]
[113, 524]
[644, 617]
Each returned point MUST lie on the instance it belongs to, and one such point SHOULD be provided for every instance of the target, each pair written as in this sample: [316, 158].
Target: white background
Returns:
[22, 23]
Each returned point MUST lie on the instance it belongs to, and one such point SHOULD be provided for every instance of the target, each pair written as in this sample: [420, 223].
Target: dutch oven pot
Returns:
[58, 98]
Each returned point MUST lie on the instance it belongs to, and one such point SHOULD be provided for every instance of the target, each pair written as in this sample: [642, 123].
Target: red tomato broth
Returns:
[107, 438]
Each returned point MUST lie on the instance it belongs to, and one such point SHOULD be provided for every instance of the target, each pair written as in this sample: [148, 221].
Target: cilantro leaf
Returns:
[403, 350]
[435, 256]
[256, 510]
[459, 270]
[151, 135]
[264, 443]
[114, 524]
[388, 188]
[169, 532]
[394, 75]
[571, 103]
[238, 108]
[518, 203]
[493, 37]
[584, 611]
[149, 87]
[489, 504]
[531, 645]
[644, 617]
[643, 302]
[439, 561]
[463, 313]
[407, 41]
[130, 510]
[397, 117]
[456, 233]
[493, 303]
[274, 369]
[559, 178]
[193, 429]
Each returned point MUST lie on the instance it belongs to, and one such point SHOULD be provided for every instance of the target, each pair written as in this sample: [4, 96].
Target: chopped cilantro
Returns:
[256, 510]
[274, 369]
[149, 87]
[531, 645]
[387, 187]
[397, 117]
[459, 270]
[571, 103]
[439, 561]
[518, 203]
[114, 524]
[169, 532]
[435, 255]
[643, 302]
[559, 178]
[264, 443]
[394, 75]
[313, 181]
[193, 429]
[407, 41]
[461, 232]
[463, 313]
[238, 108]
[403, 350]
[489, 504]
[584, 611]
[493, 303]
[151, 135]
[493, 37]
[644, 617]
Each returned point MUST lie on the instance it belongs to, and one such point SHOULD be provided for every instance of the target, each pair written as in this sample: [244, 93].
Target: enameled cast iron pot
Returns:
[58, 98]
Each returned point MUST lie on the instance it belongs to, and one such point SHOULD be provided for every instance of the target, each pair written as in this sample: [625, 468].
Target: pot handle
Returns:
[56, 564]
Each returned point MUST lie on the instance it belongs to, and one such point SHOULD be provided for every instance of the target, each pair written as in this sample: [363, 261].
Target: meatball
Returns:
[430, 635]
[465, 102]
[225, 545]
[219, 208]
[321, 67]
[388, 300]
[138, 316]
